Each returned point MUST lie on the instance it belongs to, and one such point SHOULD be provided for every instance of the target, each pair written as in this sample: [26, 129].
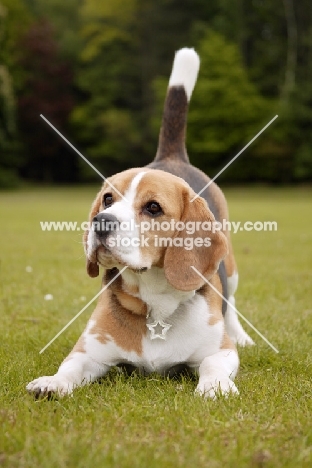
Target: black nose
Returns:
[104, 224]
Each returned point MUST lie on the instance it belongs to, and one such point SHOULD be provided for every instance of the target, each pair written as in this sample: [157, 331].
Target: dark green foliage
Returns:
[226, 110]
[11, 14]
[101, 76]
[47, 91]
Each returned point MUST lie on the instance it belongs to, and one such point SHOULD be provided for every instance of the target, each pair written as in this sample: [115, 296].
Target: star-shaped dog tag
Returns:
[161, 330]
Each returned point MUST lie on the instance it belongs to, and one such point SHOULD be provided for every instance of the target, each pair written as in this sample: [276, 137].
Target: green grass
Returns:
[155, 422]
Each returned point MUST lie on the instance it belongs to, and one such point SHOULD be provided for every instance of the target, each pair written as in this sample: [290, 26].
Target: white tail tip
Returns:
[185, 69]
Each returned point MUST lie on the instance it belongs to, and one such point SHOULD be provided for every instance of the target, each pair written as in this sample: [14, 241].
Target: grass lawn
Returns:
[139, 422]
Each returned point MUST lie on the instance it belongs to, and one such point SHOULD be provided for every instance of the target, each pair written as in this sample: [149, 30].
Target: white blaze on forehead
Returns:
[132, 190]
[123, 209]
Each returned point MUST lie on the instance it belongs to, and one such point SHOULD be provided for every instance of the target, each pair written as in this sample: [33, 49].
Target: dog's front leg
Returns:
[216, 374]
[78, 369]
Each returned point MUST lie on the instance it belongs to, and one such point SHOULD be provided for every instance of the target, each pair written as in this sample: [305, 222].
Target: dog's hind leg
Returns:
[232, 325]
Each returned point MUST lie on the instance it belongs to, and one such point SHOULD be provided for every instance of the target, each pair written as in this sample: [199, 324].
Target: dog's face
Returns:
[137, 220]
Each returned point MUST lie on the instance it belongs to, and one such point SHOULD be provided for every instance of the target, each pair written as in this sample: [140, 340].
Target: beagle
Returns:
[156, 312]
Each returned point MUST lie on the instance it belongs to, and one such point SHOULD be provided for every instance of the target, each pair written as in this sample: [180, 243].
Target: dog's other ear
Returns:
[205, 248]
[92, 269]
[92, 266]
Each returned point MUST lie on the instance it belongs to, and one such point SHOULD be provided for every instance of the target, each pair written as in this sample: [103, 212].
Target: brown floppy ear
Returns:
[92, 269]
[205, 258]
[92, 266]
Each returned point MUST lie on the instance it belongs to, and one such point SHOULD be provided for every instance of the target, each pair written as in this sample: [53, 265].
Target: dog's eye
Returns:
[153, 208]
[108, 199]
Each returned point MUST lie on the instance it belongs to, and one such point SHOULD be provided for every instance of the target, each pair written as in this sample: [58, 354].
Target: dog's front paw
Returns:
[50, 385]
[213, 386]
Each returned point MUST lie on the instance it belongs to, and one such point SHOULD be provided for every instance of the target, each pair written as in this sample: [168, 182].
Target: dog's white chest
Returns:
[188, 340]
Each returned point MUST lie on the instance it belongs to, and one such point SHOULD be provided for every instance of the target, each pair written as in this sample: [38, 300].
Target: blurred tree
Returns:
[226, 111]
[127, 45]
[113, 59]
[11, 79]
[9, 161]
[47, 91]
[106, 119]
[64, 16]
[275, 39]
[297, 102]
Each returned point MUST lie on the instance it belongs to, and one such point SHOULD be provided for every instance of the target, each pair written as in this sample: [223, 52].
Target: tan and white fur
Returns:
[159, 286]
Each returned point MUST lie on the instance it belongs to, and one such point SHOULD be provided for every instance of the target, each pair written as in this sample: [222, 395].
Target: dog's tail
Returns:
[183, 77]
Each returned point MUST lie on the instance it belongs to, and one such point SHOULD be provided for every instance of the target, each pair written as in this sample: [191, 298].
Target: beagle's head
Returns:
[143, 218]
